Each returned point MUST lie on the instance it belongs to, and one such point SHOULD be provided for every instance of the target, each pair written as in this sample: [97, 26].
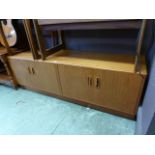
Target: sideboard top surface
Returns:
[97, 60]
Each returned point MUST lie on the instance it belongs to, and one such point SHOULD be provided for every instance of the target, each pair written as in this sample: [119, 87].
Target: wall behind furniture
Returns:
[115, 41]
[100, 40]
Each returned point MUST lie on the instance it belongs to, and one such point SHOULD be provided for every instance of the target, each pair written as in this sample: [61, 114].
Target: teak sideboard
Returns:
[108, 82]
[103, 81]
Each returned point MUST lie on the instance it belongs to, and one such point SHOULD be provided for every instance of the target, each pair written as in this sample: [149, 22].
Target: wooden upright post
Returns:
[40, 39]
[139, 46]
[30, 38]
[3, 58]
[4, 39]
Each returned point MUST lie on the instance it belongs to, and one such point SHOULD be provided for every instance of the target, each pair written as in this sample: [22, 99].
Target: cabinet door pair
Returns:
[36, 75]
[118, 91]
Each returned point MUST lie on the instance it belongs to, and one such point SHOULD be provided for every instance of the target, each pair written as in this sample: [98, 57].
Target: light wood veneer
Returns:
[103, 80]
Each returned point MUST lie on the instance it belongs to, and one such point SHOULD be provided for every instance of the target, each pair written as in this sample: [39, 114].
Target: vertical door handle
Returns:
[29, 70]
[90, 81]
[33, 71]
[97, 82]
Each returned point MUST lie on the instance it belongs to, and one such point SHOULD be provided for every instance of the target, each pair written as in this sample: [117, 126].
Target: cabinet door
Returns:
[36, 75]
[45, 77]
[76, 82]
[119, 91]
[22, 71]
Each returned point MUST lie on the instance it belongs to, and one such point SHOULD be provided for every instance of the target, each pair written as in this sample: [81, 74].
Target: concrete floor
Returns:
[26, 112]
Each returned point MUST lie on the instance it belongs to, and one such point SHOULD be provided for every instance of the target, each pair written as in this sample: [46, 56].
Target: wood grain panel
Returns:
[118, 90]
[76, 82]
[115, 90]
[21, 70]
[98, 80]
[37, 75]
[45, 77]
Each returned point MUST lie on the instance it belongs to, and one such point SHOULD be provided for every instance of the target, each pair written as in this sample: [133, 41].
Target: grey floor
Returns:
[26, 112]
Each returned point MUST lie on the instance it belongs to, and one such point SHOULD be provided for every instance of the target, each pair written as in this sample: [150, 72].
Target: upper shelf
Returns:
[88, 24]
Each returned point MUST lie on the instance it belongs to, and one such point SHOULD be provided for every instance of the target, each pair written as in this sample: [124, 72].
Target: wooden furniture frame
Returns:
[43, 52]
[30, 37]
[112, 83]
[88, 24]
[102, 81]
[139, 46]
[7, 78]
[85, 24]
